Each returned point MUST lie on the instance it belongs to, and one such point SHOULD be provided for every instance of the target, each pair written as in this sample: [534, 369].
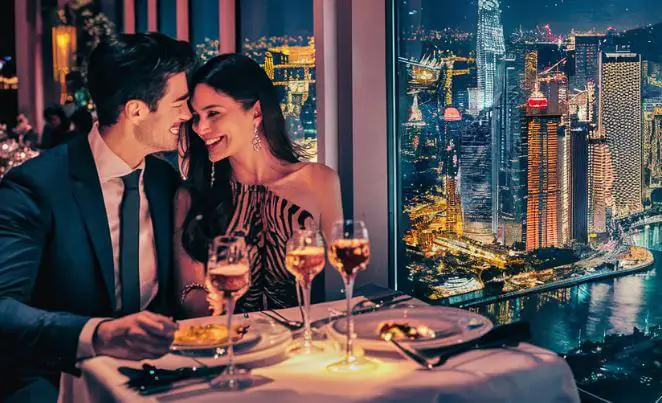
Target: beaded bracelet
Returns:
[188, 288]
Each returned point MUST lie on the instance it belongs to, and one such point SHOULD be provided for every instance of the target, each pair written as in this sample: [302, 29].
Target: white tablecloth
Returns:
[524, 374]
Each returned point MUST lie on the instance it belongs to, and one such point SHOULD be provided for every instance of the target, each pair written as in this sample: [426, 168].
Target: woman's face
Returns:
[221, 122]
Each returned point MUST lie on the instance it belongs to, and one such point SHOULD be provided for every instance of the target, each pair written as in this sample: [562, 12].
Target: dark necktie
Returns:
[129, 242]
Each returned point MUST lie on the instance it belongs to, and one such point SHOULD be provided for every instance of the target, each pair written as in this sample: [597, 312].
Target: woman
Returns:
[244, 174]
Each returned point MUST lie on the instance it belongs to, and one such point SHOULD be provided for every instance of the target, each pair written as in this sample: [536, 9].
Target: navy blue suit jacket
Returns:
[56, 260]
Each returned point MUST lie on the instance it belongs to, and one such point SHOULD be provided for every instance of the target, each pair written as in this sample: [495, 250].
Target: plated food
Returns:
[404, 331]
[208, 334]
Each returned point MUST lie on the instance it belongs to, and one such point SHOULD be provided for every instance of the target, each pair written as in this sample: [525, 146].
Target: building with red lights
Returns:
[540, 141]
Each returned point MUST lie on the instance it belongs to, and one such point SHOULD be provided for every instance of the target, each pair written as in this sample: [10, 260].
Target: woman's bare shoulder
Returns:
[318, 172]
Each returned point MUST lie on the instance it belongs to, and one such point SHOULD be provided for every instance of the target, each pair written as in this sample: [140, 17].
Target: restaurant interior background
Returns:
[506, 155]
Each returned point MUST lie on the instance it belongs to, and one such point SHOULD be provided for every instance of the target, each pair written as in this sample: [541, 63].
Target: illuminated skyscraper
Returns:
[564, 183]
[600, 184]
[621, 122]
[541, 227]
[579, 180]
[554, 85]
[653, 148]
[587, 63]
[507, 200]
[475, 171]
[490, 47]
[410, 149]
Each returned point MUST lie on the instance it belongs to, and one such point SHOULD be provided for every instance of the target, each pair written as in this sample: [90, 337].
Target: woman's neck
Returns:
[257, 167]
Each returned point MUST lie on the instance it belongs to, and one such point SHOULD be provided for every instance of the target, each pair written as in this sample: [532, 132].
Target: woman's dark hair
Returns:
[134, 66]
[243, 80]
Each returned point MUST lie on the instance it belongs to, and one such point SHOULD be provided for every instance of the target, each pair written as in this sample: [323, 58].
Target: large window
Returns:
[141, 15]
[528, 159]
[204, 23]
[167, 17]
[278, 34]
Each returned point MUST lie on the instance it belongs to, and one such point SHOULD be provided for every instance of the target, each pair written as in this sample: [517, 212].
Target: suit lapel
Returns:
[158, 190]
[88, 195]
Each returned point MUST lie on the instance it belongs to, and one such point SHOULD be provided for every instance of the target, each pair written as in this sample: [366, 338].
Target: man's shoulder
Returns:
[49, 168]
[164, 167]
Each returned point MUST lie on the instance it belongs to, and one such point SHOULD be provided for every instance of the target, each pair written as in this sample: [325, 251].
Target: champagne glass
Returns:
[349, 253]
[305, 258]
[229, 277]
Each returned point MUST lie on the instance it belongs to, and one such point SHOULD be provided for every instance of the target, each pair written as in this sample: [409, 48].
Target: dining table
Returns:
[522, 373]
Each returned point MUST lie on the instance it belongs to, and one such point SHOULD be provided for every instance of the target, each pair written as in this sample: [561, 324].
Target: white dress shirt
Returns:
[111, 169]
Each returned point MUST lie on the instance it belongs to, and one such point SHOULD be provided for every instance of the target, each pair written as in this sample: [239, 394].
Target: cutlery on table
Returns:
[509, 335]
[151, 380]
[361, 307]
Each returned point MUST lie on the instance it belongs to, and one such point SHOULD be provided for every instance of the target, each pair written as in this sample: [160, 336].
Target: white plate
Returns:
[270, 340]
[450, 325]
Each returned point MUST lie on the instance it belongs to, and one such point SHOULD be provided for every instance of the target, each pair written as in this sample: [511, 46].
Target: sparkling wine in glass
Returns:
[229, 277]
[349, 253]
[305, 258]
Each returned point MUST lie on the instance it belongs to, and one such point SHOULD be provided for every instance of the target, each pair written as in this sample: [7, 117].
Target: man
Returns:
[23, 132]
[57, 129]
[86, 228]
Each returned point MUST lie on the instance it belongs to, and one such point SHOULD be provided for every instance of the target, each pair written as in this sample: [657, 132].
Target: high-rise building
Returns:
[490, 47]
[621, 122]
[530, 67]
[587, 59]
[541, 130]
[653, 148]
[600, 183]
[507, 202]
[579, 179]
[564, 214]
[412, 137]
[553, 84]
[475, 171]
[473, 96]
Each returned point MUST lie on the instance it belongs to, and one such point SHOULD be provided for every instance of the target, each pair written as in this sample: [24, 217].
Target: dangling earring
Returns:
[257, 140]
[211, 176]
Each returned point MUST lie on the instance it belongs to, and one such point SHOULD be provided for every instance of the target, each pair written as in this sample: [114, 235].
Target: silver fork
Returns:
[280, 319]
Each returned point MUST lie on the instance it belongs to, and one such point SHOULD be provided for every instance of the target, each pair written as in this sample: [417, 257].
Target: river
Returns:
[561, 318]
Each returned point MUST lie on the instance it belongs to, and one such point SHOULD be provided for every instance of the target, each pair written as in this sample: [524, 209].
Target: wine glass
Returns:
[349, 253]
[229, 277]
[305, 258]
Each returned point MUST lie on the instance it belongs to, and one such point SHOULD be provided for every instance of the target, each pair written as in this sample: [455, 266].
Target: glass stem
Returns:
[349, 357]
[307, 332]
[229, 304]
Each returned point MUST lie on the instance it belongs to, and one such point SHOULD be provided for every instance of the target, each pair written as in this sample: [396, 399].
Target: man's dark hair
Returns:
[134, 66]
[56, 110]
[82, 119]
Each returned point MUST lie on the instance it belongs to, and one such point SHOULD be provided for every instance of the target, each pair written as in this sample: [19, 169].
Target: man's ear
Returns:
[136, 111]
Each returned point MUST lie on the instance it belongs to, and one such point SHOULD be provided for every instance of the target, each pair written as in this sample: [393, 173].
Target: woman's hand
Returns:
[216, 304]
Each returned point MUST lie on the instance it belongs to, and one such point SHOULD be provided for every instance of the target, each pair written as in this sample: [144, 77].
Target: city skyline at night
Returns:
[516, 138]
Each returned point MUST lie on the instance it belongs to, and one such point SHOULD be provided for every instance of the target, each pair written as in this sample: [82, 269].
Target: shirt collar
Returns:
[109, 165]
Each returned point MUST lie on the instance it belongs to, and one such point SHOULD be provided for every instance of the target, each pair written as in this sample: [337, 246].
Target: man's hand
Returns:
[135, 337]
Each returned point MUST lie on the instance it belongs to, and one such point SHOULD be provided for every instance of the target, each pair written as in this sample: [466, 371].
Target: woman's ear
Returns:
[257, 115]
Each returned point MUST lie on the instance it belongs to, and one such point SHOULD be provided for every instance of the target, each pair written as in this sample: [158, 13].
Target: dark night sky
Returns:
[560, 14]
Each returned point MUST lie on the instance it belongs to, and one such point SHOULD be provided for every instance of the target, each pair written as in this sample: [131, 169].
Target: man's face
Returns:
[160, 130]
[54, 121]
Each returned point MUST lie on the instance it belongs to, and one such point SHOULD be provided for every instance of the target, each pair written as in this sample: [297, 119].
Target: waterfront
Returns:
[562, 318]
[625, 368]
